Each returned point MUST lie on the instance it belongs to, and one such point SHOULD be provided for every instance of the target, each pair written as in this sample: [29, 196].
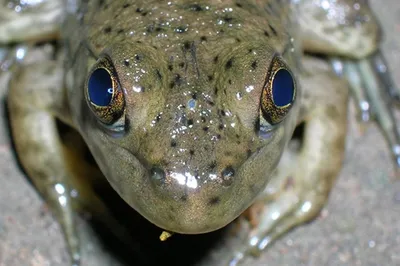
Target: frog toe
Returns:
[278, 218]
[382, 69]
[349, 70]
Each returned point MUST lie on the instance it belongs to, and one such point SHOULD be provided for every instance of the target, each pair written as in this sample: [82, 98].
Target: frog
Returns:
[188, 107]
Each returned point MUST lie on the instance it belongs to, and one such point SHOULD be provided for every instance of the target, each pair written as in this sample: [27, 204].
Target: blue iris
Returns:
[100, 87]
[283, 88]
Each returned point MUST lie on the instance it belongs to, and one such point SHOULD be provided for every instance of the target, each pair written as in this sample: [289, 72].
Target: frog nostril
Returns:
[157, 175]
[227, 176]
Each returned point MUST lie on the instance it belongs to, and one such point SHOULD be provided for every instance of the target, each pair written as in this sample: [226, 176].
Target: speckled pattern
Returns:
[359, 227]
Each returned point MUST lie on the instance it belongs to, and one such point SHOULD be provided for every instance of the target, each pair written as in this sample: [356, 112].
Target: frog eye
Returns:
[103, 92]
[100, 87]
[279, 93]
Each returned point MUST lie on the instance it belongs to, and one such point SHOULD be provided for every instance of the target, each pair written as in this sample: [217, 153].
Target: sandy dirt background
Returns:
[359, 226]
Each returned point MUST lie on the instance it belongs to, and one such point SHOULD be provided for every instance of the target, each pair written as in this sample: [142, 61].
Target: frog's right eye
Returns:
[278, 96]
[103, 93]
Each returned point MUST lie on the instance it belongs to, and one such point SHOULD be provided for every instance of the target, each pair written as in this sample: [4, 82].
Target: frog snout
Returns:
[191, 179]
[191, 201]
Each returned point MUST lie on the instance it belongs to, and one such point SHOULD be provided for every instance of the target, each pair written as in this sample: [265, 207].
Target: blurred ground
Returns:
[359, 226]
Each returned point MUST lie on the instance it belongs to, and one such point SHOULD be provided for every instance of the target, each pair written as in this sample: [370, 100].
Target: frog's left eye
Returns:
[103, 92]
[279, 93]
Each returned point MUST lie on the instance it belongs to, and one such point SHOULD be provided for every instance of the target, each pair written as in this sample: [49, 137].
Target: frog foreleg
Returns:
[35, 90]
[365, 67]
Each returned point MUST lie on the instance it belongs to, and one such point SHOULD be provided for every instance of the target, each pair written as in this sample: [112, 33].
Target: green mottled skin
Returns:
[192, 74]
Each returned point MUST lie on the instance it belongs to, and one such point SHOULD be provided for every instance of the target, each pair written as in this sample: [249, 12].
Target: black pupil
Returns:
[283, 88]
[100, 88]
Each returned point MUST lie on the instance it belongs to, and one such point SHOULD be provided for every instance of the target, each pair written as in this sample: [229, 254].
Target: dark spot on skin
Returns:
[215, 90]
[248, 152]
[196, 173]
[170, 67]
[150, 28]
[212, 165]
[187, 45]
[177, 81]
[183, 119]
[181, 64]
[214, 200]
[210, 102]
[218, 136]
[107, 29]
[191, 152]
[126, 5]
[158, 73]
[229, 81]
[194, 96]
[239, 5]
[120, 31]
[254, 65]
[210, 77]
[266, 33]
[222, 112]
[215, 59]
[228, 19]
[221, 127]
[126, 62]
[228, 153]
[183, 198]
[238, 40]
[195, 7]
[237, 136]
[203, 119]
[203, 38]
[229, 64]
[158, 117]
[205, 129]
[139, 10]
[273, 30]
[101, 3]
[173, 143]
[190, 122]
[250, 51]
[138, 57]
